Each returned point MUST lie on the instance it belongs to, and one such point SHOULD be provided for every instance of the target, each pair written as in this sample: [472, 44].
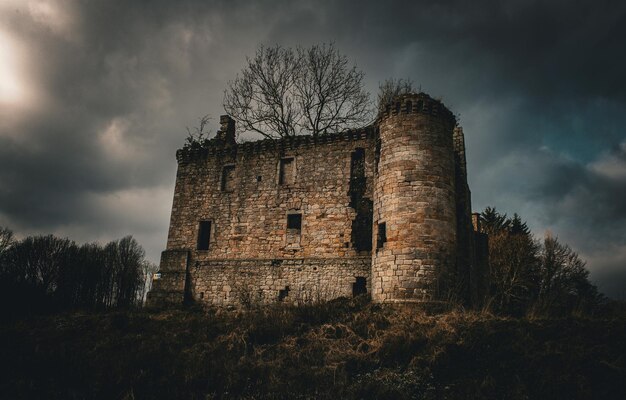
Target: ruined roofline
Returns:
[416, 103]
[218, 147]
[224, 141]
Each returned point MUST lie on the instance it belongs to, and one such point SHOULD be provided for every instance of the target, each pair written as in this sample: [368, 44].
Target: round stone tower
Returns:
[414, 201]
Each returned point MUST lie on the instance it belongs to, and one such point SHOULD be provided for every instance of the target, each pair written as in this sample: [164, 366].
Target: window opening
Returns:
[360, 286]
[286, 174]
[294, 221]
[228, 178]
[204, 235]
[283, 293]
[382, 235]
[294, 228]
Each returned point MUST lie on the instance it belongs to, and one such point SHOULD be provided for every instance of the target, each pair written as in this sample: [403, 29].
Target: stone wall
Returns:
[383, 210]
[250, 220]
[169, 287]
[414, 201]
[240, 282]
[461, 282]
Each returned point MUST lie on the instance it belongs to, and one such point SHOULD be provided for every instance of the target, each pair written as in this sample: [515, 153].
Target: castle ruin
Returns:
[384, 210]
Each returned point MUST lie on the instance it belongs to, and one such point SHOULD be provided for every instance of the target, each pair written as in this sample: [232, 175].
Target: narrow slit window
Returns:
[228, 178]
[357, 176]
[204, 235]
[287, 172]
[382, 235]
[409, 107]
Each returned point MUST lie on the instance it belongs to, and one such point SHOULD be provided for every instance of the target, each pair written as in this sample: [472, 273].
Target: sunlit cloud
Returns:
[55, 15]
[14, 90]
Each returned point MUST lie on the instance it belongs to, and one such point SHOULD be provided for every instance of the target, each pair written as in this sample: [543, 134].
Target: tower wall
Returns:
[414, 201]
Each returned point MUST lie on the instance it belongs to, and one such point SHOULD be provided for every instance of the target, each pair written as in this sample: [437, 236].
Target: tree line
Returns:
[48, 273]
[528, 276]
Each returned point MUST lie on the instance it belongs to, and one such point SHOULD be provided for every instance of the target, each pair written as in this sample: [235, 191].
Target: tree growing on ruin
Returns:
[283, 92]
[391, 88]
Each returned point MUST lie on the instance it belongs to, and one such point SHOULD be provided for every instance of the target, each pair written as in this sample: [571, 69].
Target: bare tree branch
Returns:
[282, 92]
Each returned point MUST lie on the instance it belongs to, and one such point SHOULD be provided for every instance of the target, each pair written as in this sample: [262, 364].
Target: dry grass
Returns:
[343, 349]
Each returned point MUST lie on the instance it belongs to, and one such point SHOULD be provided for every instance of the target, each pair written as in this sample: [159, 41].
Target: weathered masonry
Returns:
[385, 210]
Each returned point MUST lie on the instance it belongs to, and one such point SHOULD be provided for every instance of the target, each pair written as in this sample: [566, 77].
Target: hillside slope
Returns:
[343, 349]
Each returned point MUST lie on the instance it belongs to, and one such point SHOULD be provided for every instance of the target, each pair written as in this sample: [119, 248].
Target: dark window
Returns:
[409, 107]
[204, 235]
[360, 286]
[259, 178]
[286, 173]
[362, 225]
[294, 229]
[201, 295]
[382, 235]
[357, 176]
[283, 293]
[294, 221]
[228, 178]
[398, 105]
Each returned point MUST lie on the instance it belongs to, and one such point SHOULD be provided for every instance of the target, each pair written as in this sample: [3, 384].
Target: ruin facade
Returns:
[384, 210]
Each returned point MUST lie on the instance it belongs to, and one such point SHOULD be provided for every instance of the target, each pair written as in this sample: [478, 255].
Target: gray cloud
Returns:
[110, 85]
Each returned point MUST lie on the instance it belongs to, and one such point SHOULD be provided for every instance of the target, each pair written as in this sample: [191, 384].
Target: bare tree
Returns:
[262, 99]
[6, 239]
[198, 135]
[282, 92]
[564, 280]
[330, 93]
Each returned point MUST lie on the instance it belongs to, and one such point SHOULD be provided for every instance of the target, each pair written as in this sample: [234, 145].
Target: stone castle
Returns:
[385, 210]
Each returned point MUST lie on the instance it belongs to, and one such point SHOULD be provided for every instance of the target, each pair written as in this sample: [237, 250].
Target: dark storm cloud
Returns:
[539, 87]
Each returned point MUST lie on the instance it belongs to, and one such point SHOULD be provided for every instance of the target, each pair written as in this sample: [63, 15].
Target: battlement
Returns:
[416, 103]
[216, 147]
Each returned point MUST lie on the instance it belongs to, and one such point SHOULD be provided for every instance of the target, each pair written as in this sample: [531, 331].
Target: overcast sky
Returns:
[95, 97]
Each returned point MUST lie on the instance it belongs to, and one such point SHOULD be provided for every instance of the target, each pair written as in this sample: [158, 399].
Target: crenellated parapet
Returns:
[218, 148]
[416, 103]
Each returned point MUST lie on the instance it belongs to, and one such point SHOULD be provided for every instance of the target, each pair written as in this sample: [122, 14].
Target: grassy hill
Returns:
[343, 349]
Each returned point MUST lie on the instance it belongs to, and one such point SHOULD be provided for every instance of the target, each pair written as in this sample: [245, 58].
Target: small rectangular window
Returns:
[283, 293]
[286, 172]
[294, 221]
[294, 229]
[228, 178]
[382, 235]
[204, 235]
[359, 286]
